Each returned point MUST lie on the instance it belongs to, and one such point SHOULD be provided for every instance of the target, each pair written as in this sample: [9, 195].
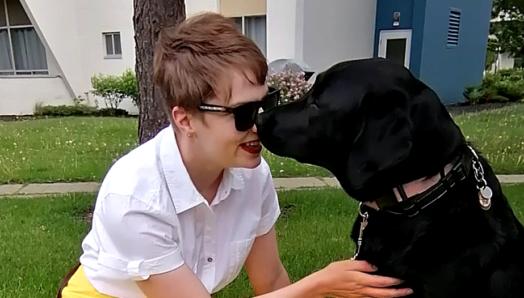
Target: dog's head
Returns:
[370, 122]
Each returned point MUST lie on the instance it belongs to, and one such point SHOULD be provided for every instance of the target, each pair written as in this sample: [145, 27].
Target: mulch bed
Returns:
[458, 109]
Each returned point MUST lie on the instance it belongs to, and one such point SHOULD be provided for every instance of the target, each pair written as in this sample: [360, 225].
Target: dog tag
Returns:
[486, 192]
[485, 195]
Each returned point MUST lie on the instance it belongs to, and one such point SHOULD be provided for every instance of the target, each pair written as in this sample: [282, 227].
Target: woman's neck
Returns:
[204, 174]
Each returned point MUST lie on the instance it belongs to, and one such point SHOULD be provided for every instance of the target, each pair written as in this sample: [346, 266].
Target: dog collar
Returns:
[460, 169]
[397, 201]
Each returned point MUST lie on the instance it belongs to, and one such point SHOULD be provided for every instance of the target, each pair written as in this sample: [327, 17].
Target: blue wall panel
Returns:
[446, 69]
[449, 69]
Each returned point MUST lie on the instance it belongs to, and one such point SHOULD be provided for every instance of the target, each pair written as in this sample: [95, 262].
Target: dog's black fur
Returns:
[375, 126]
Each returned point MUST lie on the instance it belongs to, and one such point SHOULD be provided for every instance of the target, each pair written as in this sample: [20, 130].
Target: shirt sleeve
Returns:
[270, 206]
[135, 240]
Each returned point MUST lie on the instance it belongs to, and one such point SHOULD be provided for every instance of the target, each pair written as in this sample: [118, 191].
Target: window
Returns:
[113, 45]
[253, 27]
[453, 28]
[21, 51]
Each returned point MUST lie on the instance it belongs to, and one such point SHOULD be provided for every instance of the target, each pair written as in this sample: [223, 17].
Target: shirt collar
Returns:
[181, 189]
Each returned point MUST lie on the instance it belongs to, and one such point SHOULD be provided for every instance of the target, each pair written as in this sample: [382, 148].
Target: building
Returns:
[49, 50]
[443, 42]
[48, 55]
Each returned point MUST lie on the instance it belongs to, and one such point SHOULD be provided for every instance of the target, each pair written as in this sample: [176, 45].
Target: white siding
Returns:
[73, 30]
[320, 33]
[197, 6]
[281, 29]
[337, 30]
[19, 96]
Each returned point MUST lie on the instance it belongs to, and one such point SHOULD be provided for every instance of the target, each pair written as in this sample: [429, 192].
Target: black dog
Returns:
[433, 212]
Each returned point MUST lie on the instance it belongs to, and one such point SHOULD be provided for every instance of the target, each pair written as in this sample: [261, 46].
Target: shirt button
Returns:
[210, 260]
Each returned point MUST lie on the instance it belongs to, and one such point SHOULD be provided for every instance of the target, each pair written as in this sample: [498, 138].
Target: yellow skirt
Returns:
[80, 287]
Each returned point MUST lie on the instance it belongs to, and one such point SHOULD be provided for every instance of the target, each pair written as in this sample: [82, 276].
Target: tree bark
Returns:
[149, 17]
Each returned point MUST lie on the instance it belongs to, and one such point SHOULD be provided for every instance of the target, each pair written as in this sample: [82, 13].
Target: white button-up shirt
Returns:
[150, 219]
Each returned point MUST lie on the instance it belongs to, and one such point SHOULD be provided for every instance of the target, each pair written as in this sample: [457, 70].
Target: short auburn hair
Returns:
[192, 60]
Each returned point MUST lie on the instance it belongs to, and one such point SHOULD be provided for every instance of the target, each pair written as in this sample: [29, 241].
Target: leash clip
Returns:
[363, 225]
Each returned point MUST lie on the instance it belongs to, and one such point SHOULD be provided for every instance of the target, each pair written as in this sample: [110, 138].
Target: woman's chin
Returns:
[250, 162]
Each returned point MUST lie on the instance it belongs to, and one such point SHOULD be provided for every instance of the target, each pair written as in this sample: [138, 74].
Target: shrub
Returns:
[505, 85]
[63, 110]
[113, 89]
[474, 95]
[292, 84]
[111, 112]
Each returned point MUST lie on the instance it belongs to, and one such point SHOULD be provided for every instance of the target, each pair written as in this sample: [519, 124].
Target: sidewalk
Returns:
[42, 189]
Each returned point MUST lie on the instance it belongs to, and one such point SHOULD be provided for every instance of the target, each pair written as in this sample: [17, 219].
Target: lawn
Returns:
[83, 148]
[499, 134]
[40, 237]
[63, 149]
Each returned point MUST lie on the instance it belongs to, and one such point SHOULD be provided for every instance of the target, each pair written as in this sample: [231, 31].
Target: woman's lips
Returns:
[252, 147]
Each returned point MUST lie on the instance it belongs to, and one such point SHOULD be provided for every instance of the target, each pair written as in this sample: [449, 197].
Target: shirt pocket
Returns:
[238, 252]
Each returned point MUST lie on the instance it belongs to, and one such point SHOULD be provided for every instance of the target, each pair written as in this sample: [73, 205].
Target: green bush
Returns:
[115, 88]
[503, 86]
[76, 110]
[111, 112]
[63, 110]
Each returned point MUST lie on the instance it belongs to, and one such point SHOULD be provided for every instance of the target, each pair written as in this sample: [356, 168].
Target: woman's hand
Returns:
[352, 279]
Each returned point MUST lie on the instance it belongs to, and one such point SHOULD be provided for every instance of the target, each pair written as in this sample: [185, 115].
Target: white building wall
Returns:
[100, 17]
[505, 61]
[281, 29]
[198, 6]
[73, 30]
[336, 30]
[20, 95]
[58, 22]
[320, 33]
[72, 33]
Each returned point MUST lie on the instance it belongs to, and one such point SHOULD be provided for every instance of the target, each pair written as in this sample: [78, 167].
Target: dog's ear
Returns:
[384, 139]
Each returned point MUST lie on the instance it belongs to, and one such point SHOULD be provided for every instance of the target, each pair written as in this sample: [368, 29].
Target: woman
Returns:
[180, 215]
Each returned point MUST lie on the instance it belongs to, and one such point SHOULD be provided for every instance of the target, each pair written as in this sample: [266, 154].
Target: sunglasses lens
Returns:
[245, 115]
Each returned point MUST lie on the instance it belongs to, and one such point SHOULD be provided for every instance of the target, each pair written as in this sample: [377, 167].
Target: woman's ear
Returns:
[182, 120]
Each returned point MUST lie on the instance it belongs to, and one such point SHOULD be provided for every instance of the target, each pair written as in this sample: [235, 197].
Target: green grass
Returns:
[499, 134]
[63, 149]
[40, 238]
[82, 149]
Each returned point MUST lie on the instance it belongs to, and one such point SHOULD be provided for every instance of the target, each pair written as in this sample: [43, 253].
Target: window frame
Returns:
[243, 27]
[112, 34]
[13, 72]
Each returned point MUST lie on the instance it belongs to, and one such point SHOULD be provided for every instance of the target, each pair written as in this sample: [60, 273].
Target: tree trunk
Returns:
[149, 17]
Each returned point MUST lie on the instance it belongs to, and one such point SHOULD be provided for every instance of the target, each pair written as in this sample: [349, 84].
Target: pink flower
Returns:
[292, 85]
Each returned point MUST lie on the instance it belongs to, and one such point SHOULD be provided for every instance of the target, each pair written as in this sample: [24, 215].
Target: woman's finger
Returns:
[386, 293]
[374, 281]
[361, 266]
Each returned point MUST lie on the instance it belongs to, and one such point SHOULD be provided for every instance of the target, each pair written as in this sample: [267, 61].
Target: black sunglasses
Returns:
[246, 114]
